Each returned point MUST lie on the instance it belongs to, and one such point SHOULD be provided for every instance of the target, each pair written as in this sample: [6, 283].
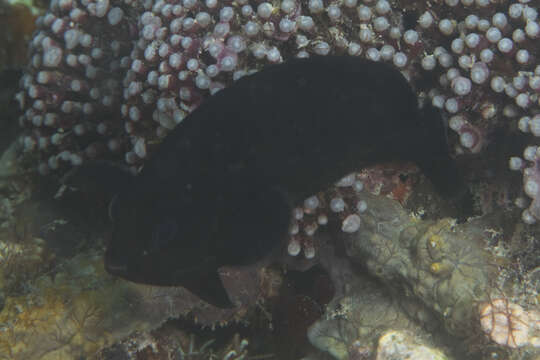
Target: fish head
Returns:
[155, 234]
[158, 236]
[162, 237]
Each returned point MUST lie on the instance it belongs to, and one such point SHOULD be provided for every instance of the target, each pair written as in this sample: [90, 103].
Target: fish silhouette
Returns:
[220, 187]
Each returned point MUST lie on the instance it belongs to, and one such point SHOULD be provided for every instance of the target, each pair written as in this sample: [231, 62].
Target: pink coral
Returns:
[505, 323]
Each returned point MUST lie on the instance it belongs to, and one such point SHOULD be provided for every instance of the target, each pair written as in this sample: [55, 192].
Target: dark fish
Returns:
[220, 188]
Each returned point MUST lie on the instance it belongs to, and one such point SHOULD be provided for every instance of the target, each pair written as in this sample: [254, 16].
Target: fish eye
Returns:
[164, 232]
[111, 207]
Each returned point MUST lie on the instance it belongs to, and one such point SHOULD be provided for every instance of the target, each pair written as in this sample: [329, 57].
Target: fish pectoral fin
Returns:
[254, 221]
[209, 287]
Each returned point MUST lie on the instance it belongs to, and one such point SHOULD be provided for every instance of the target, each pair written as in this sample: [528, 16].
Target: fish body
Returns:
[220, 188]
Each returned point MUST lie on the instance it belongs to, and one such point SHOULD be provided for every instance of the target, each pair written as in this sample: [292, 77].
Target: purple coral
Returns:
[72, 84]
[113, 77]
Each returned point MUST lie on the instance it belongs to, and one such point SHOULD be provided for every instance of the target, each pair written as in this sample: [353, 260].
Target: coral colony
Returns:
[110, 78]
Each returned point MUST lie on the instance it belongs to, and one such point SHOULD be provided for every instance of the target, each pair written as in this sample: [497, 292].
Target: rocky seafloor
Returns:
[401, 287]
[406, 285]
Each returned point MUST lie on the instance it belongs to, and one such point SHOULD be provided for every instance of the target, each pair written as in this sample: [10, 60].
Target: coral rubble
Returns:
[82, 310]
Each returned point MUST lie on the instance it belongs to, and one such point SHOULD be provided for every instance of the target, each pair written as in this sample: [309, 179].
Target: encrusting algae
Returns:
[63, 317]
[436, 272]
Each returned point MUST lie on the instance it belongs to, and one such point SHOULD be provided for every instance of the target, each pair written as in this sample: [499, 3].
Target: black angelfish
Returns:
[220, 188]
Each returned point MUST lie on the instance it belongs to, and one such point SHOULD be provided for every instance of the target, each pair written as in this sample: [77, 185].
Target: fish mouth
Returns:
[116, 269]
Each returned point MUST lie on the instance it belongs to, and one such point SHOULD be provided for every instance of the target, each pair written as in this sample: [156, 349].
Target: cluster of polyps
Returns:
[71, 86]
[481, 57]
[338, 204]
